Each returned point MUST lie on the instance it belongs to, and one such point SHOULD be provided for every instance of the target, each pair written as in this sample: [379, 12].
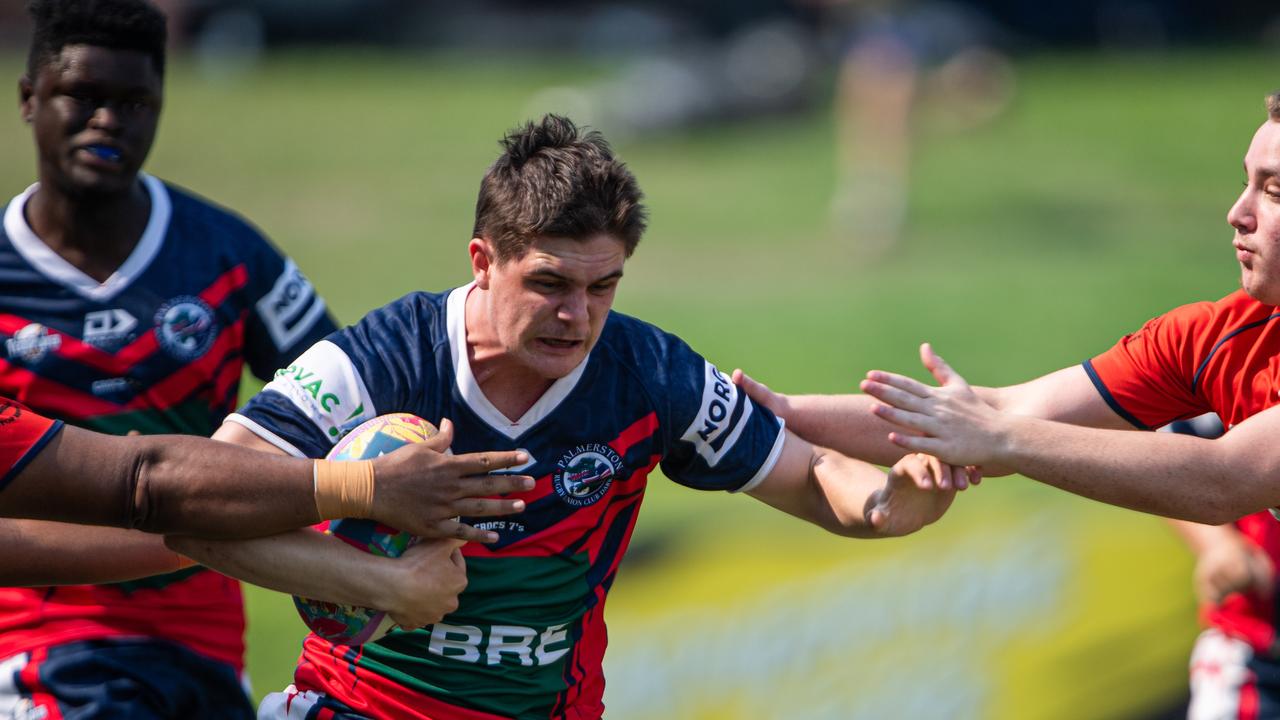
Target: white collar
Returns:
[49, 263]
[456, 324]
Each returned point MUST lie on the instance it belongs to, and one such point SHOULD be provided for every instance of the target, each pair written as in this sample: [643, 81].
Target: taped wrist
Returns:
[344, 489]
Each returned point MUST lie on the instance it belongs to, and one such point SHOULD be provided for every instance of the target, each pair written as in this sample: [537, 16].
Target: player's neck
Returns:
[96, 233]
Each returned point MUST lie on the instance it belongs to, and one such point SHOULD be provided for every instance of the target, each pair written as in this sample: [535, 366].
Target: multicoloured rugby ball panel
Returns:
[348, 624]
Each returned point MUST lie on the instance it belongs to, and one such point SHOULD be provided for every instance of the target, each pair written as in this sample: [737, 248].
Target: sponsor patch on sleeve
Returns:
[291, 307]
[721, 418]
[324, 385]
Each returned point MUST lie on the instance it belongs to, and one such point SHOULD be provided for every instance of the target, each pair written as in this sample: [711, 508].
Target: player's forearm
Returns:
[1176, 476]
[301, 562]
[41, 553]
[843, 423]
[163, 483]
[255, 494]
[843, 491]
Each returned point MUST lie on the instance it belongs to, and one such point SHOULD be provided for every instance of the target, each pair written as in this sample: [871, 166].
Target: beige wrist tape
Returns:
[344, 489]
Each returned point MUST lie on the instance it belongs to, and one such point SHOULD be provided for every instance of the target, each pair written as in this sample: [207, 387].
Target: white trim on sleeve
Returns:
[770, 461]
[265, 434]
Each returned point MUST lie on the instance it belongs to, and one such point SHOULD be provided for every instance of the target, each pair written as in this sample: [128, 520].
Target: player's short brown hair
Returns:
[1273, 105]
[555, 180]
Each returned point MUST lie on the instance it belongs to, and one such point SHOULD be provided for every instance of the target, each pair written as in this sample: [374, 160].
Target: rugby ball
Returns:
[348, 624]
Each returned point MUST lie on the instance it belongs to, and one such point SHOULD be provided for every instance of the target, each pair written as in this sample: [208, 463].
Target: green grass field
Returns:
[1096, 202]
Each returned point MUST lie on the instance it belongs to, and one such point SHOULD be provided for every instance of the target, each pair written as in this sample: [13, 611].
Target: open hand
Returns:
[423, 491]
[953, 422]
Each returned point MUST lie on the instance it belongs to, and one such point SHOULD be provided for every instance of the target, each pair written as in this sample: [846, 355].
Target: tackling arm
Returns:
[846, 423]
[162, 484]
[1179, 476]
[416, 589]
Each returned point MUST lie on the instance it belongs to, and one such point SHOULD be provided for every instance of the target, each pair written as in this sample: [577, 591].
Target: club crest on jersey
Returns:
[185, 327]
[32, 343]
[584, 474]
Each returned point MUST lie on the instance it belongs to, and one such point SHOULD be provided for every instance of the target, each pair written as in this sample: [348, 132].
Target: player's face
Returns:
[1256, 217]
[550, 304]
[93, 111]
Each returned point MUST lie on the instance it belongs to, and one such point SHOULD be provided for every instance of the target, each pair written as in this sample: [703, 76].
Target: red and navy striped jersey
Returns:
[159, 347]
[23, 434]
[528, 637]
[1221, 357]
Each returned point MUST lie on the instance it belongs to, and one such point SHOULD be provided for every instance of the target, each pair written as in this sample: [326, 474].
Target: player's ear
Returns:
[25, 92]
[482, 260]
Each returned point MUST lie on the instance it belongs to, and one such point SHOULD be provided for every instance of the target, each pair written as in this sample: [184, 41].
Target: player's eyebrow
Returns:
[1262, 171]
[548, 272]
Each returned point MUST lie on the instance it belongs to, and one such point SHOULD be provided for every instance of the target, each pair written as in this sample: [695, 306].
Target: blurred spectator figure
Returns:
[1234, 670]
[901, 60]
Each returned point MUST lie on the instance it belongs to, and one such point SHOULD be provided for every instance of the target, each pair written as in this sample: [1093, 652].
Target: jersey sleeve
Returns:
[717, 437]
[355, 374]
[1148, 376]
[286, 314]
[23, 434]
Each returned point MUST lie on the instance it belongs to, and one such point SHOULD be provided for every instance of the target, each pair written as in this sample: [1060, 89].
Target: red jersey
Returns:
[1221, 357]
[23, 434]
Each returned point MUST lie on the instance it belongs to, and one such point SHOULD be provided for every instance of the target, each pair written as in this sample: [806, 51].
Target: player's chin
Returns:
[1262, 288]
[555, 360]
[90, 182]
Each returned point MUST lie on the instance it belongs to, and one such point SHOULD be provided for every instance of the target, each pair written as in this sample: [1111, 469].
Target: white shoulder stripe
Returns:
[265, 434]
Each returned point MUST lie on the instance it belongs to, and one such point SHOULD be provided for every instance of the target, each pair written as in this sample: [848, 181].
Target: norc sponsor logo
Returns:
[720, 419]
[584, 474]
[290, 308]
[32, 343]
[487, 646]
[185, 327]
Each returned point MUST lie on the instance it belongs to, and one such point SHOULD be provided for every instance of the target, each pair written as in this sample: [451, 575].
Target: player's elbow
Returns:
[139, 512]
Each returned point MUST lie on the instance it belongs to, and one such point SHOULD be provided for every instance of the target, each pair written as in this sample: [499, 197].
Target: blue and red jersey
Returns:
[1221, 357]
[529, 635]
[159, 347]
[23, 434]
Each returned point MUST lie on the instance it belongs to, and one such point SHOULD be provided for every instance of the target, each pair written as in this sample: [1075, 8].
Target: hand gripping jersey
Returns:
[158, 348]
[1221, 357]
[528, 637]
[23, 434]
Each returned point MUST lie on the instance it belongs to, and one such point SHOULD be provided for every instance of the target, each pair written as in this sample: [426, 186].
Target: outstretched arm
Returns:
[845, 422]
[418, 588]
[851, 498]
[181, 484]
[1179, 476]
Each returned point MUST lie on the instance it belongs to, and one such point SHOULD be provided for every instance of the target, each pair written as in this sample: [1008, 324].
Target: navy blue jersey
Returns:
[528, 637]
[159, 347]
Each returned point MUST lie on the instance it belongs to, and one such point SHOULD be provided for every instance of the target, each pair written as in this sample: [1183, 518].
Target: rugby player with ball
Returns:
[529, 356]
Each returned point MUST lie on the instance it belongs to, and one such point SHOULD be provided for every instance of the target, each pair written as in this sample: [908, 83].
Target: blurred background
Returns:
[831, 183]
